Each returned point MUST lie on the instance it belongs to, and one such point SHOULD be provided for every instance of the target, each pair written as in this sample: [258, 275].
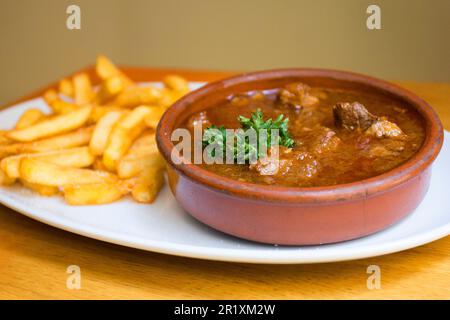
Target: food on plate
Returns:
[133, 96]
[327, 136]
[76, 157]
[3, 139]
[83, 91]
[65, 87]
[127, 129]
[145, 187]
[102, 131]
[93, 193]
[109, 89]
[55, 125]
[28, 118]
[40, 171]
[5, 180]
[106, 69]
[97, 145]
[72, 139]
[142, 154]
[152, 119]
[58, 105]
[42, 189]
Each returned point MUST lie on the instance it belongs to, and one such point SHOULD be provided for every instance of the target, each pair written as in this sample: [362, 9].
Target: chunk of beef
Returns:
[324, 140]
[383, 128]
[304, 164]
[198, 119]
[297, 95]
[352, 116]
[276, 162]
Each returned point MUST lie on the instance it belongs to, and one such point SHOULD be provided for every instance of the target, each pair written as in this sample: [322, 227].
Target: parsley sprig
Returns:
[218, 136]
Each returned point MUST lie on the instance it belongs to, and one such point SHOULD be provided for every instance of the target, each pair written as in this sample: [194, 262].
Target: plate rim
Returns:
[231, 255]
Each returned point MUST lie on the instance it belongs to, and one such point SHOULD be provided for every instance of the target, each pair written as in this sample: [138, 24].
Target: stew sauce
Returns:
[335, 142]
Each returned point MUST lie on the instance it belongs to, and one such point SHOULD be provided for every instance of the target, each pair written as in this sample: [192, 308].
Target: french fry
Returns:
[142, 154]
[66, 87]
[169, 97]
[83, 92]
[91, 194]
[50, 96]
[76, 157]
[72, 139]
[5, 180]
[98, 165]
[97, 148]
[146, 187]
[176, 83]
[58, 105]
[109, 89]
[43, 190]
[106, 69]
[100, 111]
[102, 132]
[145, 144]
[3, 139]
[123, 135]
[41, 172]
[29, 117]
[56, 125]
[135, 96]
[154, 116]
[131, 167]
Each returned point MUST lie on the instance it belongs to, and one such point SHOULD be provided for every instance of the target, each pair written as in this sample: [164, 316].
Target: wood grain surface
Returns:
[34, 257]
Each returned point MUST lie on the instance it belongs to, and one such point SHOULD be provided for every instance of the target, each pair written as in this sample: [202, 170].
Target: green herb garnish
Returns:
[242, 146]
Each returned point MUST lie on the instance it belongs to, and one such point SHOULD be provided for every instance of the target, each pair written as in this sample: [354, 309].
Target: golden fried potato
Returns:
[83, 92]
[50, 96]
[100, 111]
[103, 130]
[5, 180]
[154, 116]
[92, 194]
[56, 125]
[176, 83]
[106, 69]
[75, 157]
[46, 173]
[58, 105]
[98, 165]
[90, 134]
[145, 144]
[29, 117]
[122, 136]
[147, 185]
[135, 96]
[131, 167]
[3, 139]
[66, 87]
[169, 97]
[109, 89]
[142, 154]
[43, 190]
[72, 139]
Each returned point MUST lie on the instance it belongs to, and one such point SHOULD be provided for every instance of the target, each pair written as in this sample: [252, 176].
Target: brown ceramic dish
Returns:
[299, 216]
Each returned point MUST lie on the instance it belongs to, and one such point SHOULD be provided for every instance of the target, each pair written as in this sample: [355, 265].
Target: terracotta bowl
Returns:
[299, 216]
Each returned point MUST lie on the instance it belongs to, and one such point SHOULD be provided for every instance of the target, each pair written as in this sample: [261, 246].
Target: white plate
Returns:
[164, 227]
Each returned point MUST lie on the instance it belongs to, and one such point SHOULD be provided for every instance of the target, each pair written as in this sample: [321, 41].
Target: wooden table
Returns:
[34, 258]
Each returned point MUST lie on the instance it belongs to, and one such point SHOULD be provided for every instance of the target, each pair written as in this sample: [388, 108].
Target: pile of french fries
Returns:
[97, 145]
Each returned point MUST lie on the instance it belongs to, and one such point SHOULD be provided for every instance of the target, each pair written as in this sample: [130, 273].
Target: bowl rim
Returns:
[418, 163]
